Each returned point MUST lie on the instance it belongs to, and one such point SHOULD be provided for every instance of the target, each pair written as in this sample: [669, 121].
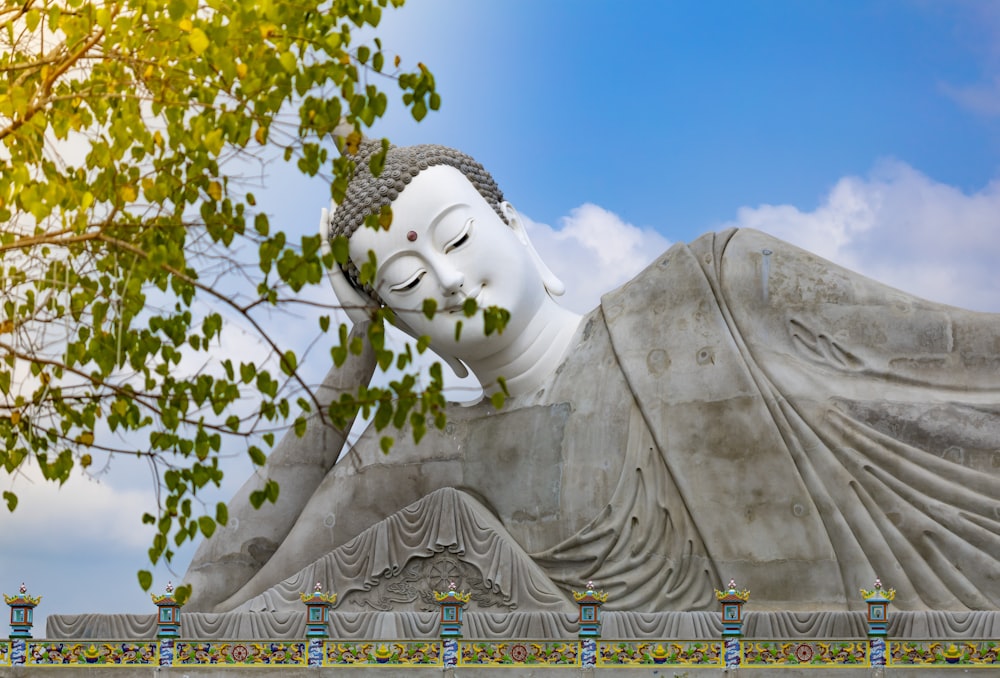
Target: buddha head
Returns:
[452, 238]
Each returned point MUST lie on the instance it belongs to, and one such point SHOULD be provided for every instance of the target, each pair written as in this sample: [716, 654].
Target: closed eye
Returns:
[461, 238]
[410, 284]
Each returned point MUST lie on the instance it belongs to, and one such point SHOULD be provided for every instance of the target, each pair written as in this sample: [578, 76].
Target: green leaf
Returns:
[383, 415]
[271, 489]
[257, 456]
[289, 362]
[221, 513]
[430, 308]
[207, 526]
[182, 593]
[257, 498]
[289, 62]
[145, 579]
[339, 247]
[497, 400]
[386, 444]
[11, 500]
[247, 372]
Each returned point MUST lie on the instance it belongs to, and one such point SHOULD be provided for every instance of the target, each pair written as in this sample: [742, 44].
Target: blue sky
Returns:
[868, 132]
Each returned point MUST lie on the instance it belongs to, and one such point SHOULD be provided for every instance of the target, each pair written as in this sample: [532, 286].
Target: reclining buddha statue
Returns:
[741, 408]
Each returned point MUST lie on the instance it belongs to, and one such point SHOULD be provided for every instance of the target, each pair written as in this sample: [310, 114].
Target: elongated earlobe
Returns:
[458, 367]
[355, 304]
[553, 285]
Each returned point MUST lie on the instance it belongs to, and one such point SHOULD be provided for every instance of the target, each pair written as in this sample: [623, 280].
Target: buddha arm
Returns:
[225, 562]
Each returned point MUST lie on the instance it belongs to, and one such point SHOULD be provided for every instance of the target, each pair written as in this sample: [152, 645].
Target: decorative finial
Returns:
[878, 593]
[170, 586]
[411, 236]
[591, 595]
[732, 593]
[451, 586]
[318, 588]
[23, 589]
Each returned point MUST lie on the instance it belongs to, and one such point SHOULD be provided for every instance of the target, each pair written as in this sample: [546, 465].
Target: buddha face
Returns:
[447, 244]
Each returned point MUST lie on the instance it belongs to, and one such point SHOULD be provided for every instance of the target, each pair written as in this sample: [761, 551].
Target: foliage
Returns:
[131, 236]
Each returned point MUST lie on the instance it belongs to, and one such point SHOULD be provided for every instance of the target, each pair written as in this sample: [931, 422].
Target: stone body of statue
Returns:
[740, 409]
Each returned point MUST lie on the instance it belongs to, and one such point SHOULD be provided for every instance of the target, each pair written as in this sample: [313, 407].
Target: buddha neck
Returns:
[532, 355]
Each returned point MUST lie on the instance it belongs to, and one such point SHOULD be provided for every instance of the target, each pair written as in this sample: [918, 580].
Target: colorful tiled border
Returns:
[799, 653]
[659, 653]
[754, 653]
[538, 653]
[937, 653]
[92, 653]
[400, 653]
[240, 653]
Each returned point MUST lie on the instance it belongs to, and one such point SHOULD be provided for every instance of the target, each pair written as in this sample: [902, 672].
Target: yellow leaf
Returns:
[147, 184]
[15, 417]
[148, 73]
[241, 70]
[198, 40]
[397, 61]
[185, 25]
[86, 438]
[267, 30]
[345, 58]
[128, 193]
[288, 62]
[86, 460]
[213, 141]
[215, 190]
[158, 139]
[6, 326]
[260, 135]
[352, 142]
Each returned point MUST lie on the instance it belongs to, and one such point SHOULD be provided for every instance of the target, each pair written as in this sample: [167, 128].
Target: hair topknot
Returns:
[367, 194]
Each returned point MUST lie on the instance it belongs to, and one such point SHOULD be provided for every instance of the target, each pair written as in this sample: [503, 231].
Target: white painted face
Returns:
[446, 243]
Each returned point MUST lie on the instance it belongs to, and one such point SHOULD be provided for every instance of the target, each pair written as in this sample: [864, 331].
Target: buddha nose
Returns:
[449, 277]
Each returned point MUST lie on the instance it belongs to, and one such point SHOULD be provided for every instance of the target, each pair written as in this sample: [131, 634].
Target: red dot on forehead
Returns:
[411, 236]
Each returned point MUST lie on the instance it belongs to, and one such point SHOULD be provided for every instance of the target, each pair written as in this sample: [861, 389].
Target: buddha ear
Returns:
[553, 285]
[354, 303]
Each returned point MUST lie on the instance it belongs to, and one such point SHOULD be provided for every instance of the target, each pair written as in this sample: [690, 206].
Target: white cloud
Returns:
[83, 511]
[593, 251]
[902, 228]
[982, 98]
[979, 25]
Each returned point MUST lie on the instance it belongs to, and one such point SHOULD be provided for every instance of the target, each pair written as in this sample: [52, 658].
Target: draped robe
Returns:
[740, 409]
